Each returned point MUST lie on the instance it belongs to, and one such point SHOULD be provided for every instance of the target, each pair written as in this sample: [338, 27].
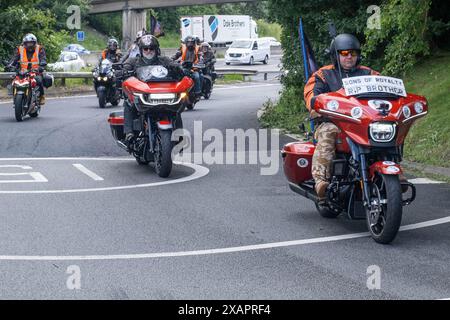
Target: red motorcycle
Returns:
[25, 91]
[159, 100]
[365, 174]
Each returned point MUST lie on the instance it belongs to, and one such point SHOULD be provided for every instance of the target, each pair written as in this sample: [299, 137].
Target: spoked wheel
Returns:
[163, 153]
[385, 216]
[18, 107]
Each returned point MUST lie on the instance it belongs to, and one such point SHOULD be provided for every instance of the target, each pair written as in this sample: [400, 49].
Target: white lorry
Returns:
[219, 30]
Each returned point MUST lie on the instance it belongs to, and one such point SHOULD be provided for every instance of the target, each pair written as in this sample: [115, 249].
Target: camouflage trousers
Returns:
[326, 136]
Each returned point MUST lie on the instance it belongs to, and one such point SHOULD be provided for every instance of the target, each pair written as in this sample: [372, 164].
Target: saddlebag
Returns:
[116, 123]
[47, 80]
[297, 161]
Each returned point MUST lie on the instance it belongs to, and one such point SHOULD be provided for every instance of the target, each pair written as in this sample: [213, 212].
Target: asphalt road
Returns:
[133, 236]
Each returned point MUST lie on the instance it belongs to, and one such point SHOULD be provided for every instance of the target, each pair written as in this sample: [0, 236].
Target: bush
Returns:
[267, 29]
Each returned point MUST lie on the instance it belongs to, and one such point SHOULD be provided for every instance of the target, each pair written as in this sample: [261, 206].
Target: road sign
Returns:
[80, 35]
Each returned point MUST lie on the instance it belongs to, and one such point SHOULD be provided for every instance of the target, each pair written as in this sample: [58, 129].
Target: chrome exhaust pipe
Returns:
[122, 145]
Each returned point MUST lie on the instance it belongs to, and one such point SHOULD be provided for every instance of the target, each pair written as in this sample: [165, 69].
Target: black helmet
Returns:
[345, 41]
[113, 44]
[149, 41]
[189, 41]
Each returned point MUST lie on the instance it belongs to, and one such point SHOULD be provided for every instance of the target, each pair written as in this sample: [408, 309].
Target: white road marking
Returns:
[88, 172]
[216, 251]
[199, 172]
[425, 181]
[36, 176]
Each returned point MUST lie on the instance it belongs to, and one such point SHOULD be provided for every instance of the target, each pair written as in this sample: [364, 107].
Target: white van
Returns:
[248, 51]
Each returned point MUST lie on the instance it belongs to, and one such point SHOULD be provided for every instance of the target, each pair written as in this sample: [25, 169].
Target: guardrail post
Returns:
[265, 76]
[63, 82]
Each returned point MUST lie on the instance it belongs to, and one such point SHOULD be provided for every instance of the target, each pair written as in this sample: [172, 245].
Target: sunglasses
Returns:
[345, 53]
[148, 49]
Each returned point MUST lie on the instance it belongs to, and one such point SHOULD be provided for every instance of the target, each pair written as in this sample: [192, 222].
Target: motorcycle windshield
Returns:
[105, 67]
[154, 73]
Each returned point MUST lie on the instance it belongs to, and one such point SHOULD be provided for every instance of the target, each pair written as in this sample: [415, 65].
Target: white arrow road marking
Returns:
[88, 172]
[219, 250]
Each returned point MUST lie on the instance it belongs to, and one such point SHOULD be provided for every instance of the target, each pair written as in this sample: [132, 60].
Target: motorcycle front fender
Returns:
[385, 167]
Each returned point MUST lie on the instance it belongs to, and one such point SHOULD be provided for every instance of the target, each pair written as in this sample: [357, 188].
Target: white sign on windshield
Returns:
[373, 84]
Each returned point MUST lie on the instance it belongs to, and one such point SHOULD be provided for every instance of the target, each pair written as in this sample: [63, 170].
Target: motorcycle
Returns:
[192, 98]
[209, 79]
[159, 100]
[25, 92]
[105, 83]
[365, 174]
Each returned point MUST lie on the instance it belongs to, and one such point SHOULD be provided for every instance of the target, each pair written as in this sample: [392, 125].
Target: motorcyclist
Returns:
[134, 49]
[345, 51]
[208, 57]
[150, 54]
[112, 51]
[189, 52]
[31, 52]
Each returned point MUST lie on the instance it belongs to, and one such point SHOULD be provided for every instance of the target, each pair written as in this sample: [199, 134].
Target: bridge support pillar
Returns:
[133, 20]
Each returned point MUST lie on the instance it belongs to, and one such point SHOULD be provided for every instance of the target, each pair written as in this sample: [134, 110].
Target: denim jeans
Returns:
[198, 82]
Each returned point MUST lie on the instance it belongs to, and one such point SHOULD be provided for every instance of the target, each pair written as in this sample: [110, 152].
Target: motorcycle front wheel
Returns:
[101, 92]
[163, 153]
[384, 220]
[18, 107]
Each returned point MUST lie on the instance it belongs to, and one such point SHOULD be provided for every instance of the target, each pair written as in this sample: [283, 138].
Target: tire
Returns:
[389, 188]
[163, 155]
[190, 106]
[266, 60]
[326, 212]
[227, 63]
[101, 97]
[252, 61]
[115, 103]
[207, 95]
[18, 107]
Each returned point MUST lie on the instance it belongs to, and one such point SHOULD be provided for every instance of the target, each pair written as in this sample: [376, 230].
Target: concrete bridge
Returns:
[134, 13]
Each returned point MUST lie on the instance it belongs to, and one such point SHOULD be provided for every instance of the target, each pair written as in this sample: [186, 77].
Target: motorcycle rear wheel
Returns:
[385, 228]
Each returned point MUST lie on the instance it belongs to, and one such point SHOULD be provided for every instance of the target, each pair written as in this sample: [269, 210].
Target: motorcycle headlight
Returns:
[99, 78]
[418, 107]
[382, 132]
[105, 78]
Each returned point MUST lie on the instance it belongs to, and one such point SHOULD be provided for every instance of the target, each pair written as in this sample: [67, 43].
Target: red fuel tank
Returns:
[297, 161]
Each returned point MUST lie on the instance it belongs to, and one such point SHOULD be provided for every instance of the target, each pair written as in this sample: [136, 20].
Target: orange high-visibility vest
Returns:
[184, 52]
[24, 58]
